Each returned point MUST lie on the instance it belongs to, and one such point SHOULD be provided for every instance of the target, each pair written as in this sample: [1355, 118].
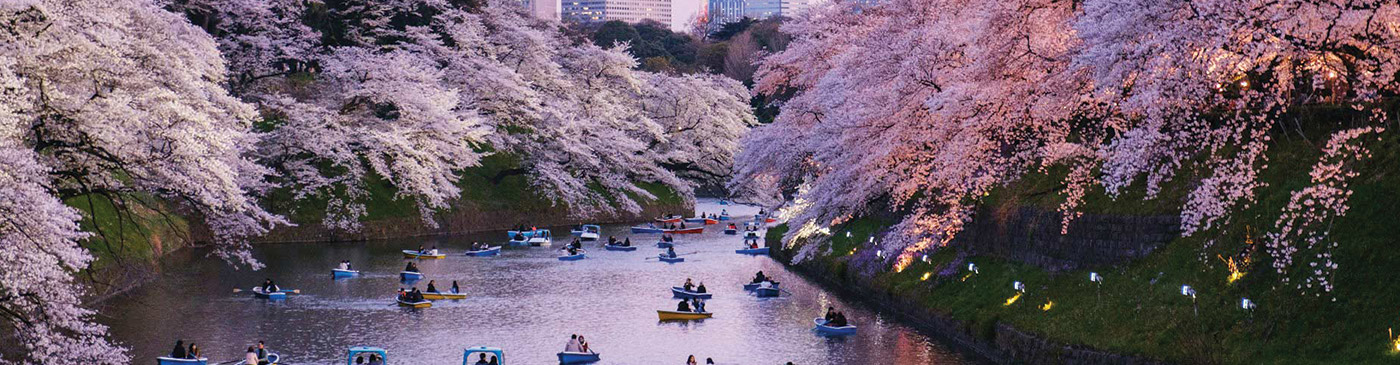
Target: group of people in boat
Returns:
[834, 318]
[626, 242]
[691, 305]
[432, 287]
[344, 265]
[183, 352]
[691, 361]
[574, 247]
[431, 252]
[478, 246]
[577, 344]
[373, 359]
[411, 296]
[691, 287]
[759, 278]
[483, 360]
[675, 226]
[411, 267]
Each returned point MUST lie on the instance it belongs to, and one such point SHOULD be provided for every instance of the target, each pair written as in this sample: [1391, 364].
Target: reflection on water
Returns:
[524, 301]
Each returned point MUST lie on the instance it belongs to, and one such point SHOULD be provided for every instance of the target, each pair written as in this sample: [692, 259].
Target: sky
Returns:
[682, 11]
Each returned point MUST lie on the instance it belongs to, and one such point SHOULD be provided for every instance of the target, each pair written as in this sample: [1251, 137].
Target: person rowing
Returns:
[612, 240]
[671, 252]
[759, 278]
[270, 287]
[421, 250]
[689, 286]
[701, 288]
[411, 267]
[683, 306]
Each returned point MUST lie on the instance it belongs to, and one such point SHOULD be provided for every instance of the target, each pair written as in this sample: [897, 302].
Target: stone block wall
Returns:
[1032, 236]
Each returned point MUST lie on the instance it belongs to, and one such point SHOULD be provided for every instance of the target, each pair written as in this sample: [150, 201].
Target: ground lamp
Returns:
[1187, 290]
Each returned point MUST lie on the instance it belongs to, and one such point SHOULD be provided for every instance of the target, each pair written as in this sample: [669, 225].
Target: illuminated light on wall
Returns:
[1019, 286]
[925, 259]
[1095, 278]
[848, 234]
[1247, 304]
[972, 267]
[1048, 304]
[926, 275]
[871, 240]
[1244, 84]
[1012, 299]
[1187, 290]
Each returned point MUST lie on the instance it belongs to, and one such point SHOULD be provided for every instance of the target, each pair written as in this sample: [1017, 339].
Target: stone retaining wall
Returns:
[1033, 236]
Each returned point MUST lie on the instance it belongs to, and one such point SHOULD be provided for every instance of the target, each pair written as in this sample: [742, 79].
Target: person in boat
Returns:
[583, 344]
[683, 306]
[360, 360]
[682, 224]
[433, 251]
[493, 361]
[410, 267]
[698, 305]
[421, 250]
[179, 351]
[689, 286]
[709, 361]
[573, 345]
[759, 278]
[830, 314]
[269, 286]
[577, 244]
[753, 244]
[193, 353]
[403, 295]
[671, 252]
[432, 286]
[454, 287]
[519, 236]
[251, 357]
[839, 320]
[627, 242]
[482, 360]
[612, 240]
[669, 238]
[701, 288]
[691, 361]
[415, 296]
[262, 353]
[724, 212]
[375, 360]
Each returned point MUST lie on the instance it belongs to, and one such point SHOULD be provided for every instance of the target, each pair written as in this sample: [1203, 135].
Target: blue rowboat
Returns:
[768, 292]
[588, 232]
[277, 295]
[731, 231]
[410, 275]
[476, 352]
[669, 259]
[576, 257]
[341, 274]
[664, 244]
[527, 234]
[646, 230]
[824, 329]
[754, 286]
[680, 292]
[620, 248]
[487, 252]
[753, 251]
[358, 351]
[724, 217]
[723, 202]
[578, 357]
[173, 361]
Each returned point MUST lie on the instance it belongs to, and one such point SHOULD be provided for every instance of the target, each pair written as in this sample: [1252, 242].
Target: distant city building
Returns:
[631, 11]
[792, 7]
[543, 9]
[763, 9]
[723, 12]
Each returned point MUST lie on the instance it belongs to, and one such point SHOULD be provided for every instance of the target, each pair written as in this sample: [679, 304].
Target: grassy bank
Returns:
[1139, 309]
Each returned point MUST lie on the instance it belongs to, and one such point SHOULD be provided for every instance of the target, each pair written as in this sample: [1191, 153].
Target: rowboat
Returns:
[639, 229]
[276, 295]
[754, 286]
[753, 251]
[588, 232]
[574, 257]
[410, 275]
[669, 259]
[669, 219]
[472, 354]
[696, 230]
[271, 359]
[664, 244]
[766, 292]
[361, 351]
[173, 361]
[527, 234]
[836, 331]
[682, 316]
[701, 220]
[680, 292]
[541, 238]
[413, 254]
[338, 273]
[577, 357]
[422, 304]
[620, 248]
[724, 217]
[723, 202]
[487, 252]
[731, 231]
[437, 295]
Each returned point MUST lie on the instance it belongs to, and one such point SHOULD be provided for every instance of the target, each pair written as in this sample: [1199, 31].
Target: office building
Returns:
[631, 11]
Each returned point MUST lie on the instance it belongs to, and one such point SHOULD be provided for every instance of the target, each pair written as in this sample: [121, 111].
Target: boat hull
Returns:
[766, 292]
[670, 259]
[753, 251]
[731, 231]
[588, 236]
[620, 248]
[338, 273]
[487, 252]
[646, 230]
[442, 296]
[173, 361]
[277, 295]
[822, 328]
[665, 244]
[702, 220]
[754, 286]
[422, 304]
[668, 220]
[411, 254]
[680, 292]
[537, 242]
[527, 234]
[696, 230]
[572, 257]
[410, 276]
[577, 357]
[682, 316]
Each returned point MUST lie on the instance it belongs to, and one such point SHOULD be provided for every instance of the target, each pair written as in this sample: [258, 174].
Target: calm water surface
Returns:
[524, 301]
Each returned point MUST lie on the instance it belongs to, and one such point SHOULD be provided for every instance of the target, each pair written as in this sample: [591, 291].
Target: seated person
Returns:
[432, 287]
[433, 251]
[830, 314]
[627, 242]
[759, 278]
[269, 286]
[701, 288]
[483, 361]
[683, 306]
[179, 351]
[454, 287]
[410, 267]
[671, 252]
[689, 286]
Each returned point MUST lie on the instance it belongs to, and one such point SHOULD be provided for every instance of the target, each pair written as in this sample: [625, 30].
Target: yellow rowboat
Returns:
[682, 316]
[422, 304]
[443, 295]
[411, 254]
